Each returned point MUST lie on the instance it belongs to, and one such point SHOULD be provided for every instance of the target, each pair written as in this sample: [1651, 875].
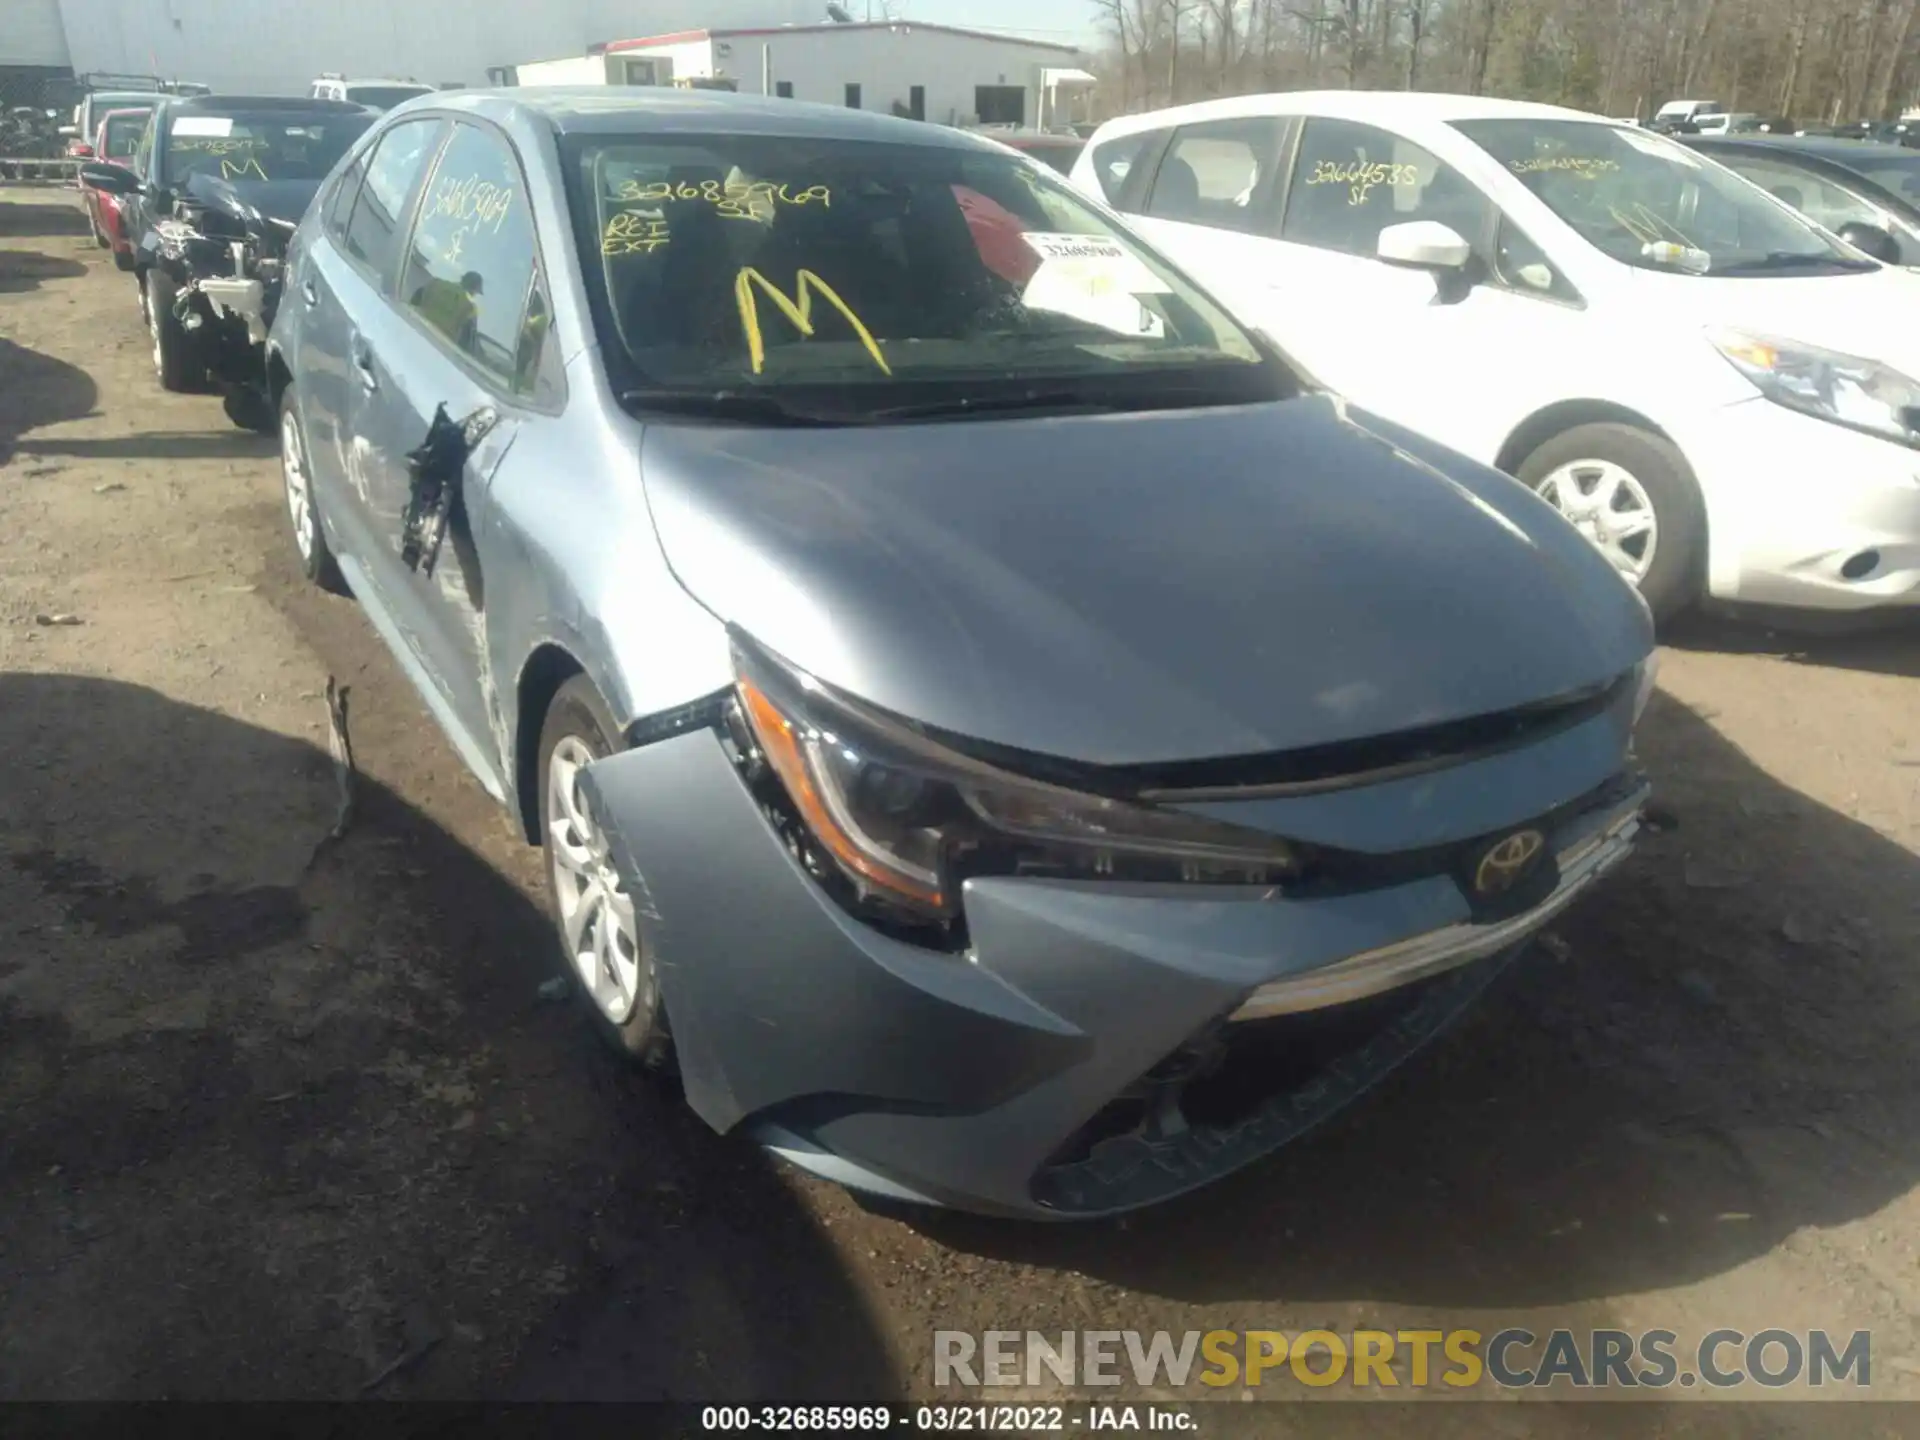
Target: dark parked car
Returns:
[1012, 738]
[210, 197]
[1840, 184]
[1046, 146]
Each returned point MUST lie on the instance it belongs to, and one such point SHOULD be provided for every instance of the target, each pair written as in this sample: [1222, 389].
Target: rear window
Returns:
[385, 97]
[763, 261]
[123, 136]
[259, 147]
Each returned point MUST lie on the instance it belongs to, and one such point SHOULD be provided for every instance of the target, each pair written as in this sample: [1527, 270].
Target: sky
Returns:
[1071, 22]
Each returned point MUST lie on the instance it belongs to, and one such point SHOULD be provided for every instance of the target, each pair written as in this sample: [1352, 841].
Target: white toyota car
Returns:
[1716, 392]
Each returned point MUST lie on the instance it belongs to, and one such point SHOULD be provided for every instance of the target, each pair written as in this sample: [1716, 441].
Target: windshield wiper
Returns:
[995, 404]
[1792, 260]
[739, 405]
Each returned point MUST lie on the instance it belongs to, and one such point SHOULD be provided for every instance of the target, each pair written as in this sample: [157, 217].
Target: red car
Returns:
[115, 141]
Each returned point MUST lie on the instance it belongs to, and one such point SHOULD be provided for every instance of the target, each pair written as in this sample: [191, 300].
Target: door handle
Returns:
[363, 363]
[309, 294]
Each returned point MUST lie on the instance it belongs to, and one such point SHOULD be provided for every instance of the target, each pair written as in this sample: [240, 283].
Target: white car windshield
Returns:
[1651, 203]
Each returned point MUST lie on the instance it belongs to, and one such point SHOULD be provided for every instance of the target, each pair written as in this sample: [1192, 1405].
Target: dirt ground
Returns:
[279, 1121]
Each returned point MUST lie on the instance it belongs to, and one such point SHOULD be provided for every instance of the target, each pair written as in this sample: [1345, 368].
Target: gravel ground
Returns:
[279, 1119]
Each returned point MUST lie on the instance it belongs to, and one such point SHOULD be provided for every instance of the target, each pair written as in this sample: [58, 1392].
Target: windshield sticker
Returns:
[1587, 167]
[733, 199]
[471, 200]
[629, 232]
[1084, 297]
[215, 147]
[1360, 178]
[215, 125]
[247, 168]
[1098, 262]
[798, 309]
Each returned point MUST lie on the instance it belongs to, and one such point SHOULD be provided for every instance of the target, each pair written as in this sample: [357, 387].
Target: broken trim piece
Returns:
[706, 713]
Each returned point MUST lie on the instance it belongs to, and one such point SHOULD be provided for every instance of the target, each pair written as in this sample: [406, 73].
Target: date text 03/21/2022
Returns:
[982, 1419]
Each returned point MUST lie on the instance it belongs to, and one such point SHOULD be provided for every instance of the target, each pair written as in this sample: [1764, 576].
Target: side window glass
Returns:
[346, 189]
[1821, 202]
[379, 212]
[1113, 161]
[1351, 181]
[1521, 265]
[536, 370]
[470, 266]
[1211, 172]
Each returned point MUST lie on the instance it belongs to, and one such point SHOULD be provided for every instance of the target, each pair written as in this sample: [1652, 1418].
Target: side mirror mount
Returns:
[1873, 241]
[1423, 245]
[110, 179]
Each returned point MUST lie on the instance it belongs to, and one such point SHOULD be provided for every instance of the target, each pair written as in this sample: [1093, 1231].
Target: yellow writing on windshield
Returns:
[471, 199]
[798, 309]
[733, 199]
[630, 233]
[242, 169]
[1587, 167]
[1360, 177]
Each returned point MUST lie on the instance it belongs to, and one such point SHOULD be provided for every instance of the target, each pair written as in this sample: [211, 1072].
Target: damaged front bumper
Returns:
[228, 292]
[1099, 1046]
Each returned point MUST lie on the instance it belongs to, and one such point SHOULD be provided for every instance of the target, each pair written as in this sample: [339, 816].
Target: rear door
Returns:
[454, 343]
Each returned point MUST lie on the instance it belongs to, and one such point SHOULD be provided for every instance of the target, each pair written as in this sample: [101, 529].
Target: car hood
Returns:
[276, 199]
[1867, 315]
[1142, 587]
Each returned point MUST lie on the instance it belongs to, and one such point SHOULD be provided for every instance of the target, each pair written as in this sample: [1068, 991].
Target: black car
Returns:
[210, 198]
[1845, 185]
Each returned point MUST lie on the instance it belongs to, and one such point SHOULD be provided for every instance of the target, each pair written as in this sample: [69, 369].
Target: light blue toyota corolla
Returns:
[1004, 734]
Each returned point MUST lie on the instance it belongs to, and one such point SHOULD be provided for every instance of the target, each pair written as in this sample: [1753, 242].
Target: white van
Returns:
[1686, 112]
[1716, 392]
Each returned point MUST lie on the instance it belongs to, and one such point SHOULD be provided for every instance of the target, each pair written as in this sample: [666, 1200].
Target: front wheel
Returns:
[607, 958]
[173, 359]
[1633, 496]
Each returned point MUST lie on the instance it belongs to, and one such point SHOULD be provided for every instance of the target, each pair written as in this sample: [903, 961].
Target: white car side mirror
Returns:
[1423, 245]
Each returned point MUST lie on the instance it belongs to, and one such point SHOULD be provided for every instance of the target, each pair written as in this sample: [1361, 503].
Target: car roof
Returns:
[373, 80]
[261, 105]
[99, 98]
[1822, 147]
[651, 109]
[1387, 107]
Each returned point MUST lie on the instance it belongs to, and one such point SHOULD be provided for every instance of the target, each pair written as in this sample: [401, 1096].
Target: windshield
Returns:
[123, 136]
[760, 263]
[283, 146]
[1651, 203]
[385, 97]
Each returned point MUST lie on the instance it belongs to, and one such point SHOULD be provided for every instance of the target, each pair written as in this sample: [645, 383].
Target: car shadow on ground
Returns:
[293, 1119]
[235, 444]
[22, 270]
[35, 219]
[1880, 642]
[37, 390]
[1722, 1057]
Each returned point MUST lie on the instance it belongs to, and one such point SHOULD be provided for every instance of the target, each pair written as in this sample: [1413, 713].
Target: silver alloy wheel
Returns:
[596, 913]
[293, 467]
[1611, 508]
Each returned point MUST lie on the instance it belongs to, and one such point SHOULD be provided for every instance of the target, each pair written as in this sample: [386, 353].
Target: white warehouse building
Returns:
[278, 47]
[930, 72]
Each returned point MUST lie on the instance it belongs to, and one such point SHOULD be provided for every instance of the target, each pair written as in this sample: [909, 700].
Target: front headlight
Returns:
[902, 819]
[1845, 389]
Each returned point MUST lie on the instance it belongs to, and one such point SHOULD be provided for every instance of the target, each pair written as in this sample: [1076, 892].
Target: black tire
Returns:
[316, 560]
[579, 714]
[122, 260]
[1676, 575]
[173, 359]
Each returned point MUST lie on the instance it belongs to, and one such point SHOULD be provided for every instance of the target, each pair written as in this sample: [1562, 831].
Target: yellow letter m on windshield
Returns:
[798, 309]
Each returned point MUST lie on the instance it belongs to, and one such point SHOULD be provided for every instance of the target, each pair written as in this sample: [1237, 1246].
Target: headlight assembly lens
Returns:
[1845, 389]
[904, 819]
